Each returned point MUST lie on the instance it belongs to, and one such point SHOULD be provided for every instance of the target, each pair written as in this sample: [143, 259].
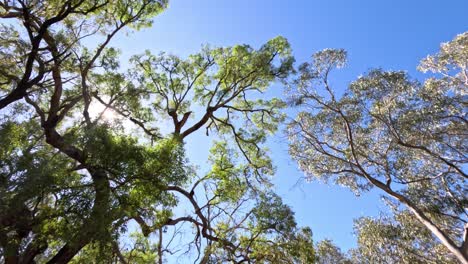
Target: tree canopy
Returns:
[391, 132]
[82, 185]
[90, 172]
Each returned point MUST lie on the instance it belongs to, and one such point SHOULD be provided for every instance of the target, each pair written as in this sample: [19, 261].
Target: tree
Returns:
[391, 132]
[75, 181]
[387, 239]
[43, 40]
[398, 239]
[329, 253]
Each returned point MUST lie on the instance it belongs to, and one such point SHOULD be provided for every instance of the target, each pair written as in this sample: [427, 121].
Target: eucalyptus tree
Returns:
[387, 239]
[329, 253]
[397, 239]
[84, 161]
[390, 132]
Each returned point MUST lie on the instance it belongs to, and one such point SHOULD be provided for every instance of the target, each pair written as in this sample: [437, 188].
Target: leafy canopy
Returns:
[89, 170]
[388, 131]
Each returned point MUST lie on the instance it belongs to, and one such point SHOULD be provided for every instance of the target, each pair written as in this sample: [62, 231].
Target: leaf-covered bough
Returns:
[397, 239]
[388, 131]
[89, 172]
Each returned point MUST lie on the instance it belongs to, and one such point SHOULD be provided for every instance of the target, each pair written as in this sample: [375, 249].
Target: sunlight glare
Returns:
[98, 110]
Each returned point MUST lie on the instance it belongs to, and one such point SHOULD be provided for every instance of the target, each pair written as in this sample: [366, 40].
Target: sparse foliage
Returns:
[401, 239]
[406, 138]
[329, 253]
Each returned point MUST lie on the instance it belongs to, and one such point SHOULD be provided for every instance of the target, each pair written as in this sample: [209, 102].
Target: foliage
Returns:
[388, 131]
[329, 253]
[401, 239]
[114, 185]
[85, 186]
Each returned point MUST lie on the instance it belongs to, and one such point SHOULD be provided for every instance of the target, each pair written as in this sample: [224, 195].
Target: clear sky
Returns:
[389, 34]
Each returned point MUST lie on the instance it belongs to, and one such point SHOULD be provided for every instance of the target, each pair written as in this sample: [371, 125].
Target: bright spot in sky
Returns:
[98, 110]
[109, 115]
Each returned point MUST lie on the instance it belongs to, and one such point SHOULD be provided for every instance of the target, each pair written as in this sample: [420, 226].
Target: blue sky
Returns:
[377, 34]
